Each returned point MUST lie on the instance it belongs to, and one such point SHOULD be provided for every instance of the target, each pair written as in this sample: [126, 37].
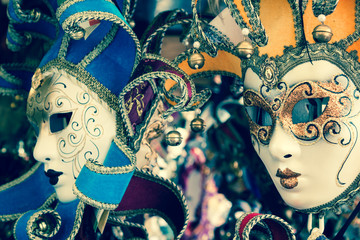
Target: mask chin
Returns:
[65, 194]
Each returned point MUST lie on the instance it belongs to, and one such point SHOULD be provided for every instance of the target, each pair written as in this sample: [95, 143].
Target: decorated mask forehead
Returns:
[73, 127]
[53, 93]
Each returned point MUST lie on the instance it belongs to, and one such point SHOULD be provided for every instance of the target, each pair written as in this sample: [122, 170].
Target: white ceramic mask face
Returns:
[72, 128]
[306, 132]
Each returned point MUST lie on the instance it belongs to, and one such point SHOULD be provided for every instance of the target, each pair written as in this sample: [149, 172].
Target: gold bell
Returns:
[196, 61]
[197, 125]
[322, 33]
[245, 49]
[47, 225]
[173, 138]
[77, 35]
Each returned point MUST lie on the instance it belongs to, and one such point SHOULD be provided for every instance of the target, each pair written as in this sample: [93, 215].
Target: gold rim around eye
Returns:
[261, 133]
[336, 108]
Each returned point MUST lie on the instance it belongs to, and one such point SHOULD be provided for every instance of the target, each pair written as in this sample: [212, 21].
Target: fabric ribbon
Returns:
[30, 191]
[146, 193]
[15, 78]
[61, 223]
[270, 226]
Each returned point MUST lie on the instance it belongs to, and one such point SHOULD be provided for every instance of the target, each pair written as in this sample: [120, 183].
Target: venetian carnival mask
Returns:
[305, 130]
[300, 69]
[72, 126]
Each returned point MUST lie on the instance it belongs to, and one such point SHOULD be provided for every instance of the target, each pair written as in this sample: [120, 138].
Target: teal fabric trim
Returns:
[79, 48]
[11, 12]
[25, 193]
[104, 185]
[103, 188]
[122, 62]
[15, 78]
[25, 24]
[68, 226]
[54, 51]
[89, 5]
[115, 157]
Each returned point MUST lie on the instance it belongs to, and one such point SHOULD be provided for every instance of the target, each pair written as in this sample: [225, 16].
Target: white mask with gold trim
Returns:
[72, 127]
[305, 130]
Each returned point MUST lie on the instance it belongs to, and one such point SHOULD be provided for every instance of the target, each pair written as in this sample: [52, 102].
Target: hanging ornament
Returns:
[173, 138]
[132, 23]
[197, 124]
[47, 224]
[196, 60]
[77, 35]
[322, 33]
[244, 48]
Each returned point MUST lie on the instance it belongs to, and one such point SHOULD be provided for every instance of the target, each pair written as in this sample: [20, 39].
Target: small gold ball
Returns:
[197, 125]
[173, 138]
[322, 33]
[77, 35]
[18, 98]
[132, 23]
[196, 61]
[245, 49]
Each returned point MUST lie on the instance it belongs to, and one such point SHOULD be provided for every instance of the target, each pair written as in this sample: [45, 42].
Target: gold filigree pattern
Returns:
[280, 109]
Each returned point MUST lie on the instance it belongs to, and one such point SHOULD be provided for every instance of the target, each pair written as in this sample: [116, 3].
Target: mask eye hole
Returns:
[59, 121]
[259, 116]
[307, 110]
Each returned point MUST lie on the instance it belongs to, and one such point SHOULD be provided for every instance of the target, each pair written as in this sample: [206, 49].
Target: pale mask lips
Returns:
[288, 178]
[53, 176]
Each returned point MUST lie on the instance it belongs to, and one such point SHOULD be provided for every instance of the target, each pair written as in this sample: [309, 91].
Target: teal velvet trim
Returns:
[78, 49]
[107, 188]
[103, 188]
[90, 5]
[11, 12]
[23, 24]
[22, 195]
[67, 212]
[115, 157]
[54, 50]
[41, 27]
[22, 74]
[114, 65]
[20, 227]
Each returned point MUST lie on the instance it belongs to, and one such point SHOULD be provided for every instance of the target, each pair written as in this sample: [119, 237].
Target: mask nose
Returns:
[45, 148]
[282, 145]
